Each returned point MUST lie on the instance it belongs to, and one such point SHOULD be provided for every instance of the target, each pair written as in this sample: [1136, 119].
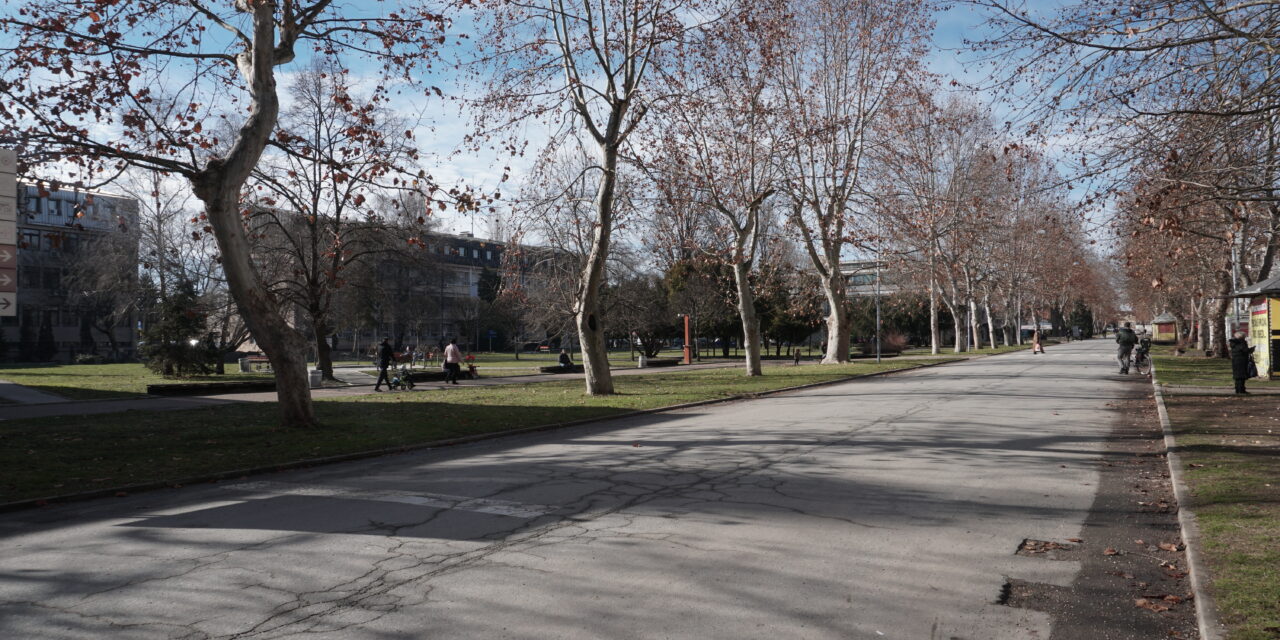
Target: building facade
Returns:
[53, 320]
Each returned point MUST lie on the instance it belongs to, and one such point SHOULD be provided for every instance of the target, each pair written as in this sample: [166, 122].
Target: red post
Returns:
[688, 349]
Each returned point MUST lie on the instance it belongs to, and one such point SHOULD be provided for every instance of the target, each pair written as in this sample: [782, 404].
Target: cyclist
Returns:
[1125, 338]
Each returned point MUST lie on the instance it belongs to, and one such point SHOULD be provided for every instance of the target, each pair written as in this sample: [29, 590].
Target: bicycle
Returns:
[1142, 362]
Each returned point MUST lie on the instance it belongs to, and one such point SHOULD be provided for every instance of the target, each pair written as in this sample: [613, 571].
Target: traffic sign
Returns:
[8, 280]
[8, 256]
[8, 304]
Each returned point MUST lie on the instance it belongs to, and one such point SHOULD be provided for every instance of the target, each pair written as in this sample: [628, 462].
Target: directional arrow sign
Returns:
[8, 304]
[8, 279]
[8, 255]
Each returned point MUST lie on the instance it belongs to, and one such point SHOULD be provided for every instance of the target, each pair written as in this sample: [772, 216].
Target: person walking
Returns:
[452, 361]
[1241, 359]
[1125, 339]
[1036, 345]
[385, 355]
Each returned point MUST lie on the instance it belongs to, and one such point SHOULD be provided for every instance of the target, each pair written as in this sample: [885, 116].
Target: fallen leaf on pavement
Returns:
[1169, 546]
[1150, 606]
[1074, 540]
[1110, 552]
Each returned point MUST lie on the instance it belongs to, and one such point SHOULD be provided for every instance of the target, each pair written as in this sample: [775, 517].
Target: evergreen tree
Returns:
[176, 342]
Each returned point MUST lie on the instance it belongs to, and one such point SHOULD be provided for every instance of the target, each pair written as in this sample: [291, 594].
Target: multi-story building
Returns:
[54, 227]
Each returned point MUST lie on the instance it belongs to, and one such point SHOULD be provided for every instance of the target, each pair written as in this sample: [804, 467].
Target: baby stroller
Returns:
[400, 379]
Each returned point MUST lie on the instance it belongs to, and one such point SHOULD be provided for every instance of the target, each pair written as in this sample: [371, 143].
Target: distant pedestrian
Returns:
[1242, 365]
[385, 354]
[566, 361]
[452, 361]
[1036, 345]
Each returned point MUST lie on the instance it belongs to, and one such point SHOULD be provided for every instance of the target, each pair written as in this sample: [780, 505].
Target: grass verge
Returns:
[71, 454]
[103, 381]
[1231, 449]
[1197, 370]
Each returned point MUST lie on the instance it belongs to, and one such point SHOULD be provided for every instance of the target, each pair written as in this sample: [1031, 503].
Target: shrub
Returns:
[89, 358]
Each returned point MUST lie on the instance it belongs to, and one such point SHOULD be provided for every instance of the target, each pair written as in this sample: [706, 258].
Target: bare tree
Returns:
[844, 64]
[82, 82]
[320, 215]
[593, 61]
[719, 150]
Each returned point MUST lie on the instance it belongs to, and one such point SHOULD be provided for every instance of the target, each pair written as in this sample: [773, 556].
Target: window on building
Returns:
[30, 239]
[52, 278]
[475, 253]
[488, 255]
[28, 277]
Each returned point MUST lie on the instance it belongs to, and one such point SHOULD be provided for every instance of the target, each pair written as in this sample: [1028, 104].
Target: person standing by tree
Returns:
[384, 362]
[1241, 358]
[452, 361]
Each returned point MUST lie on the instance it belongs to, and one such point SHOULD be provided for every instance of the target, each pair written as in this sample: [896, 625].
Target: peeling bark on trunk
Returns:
[747, 312]
[837, 320]
[991, 321]
[1218, 321]
[935, 331]
[595, 352]
[218, 187]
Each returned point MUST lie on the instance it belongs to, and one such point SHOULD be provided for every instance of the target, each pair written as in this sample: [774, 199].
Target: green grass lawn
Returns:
[1196, 370]
[102, 381]
[1230, 447]
[69, 454]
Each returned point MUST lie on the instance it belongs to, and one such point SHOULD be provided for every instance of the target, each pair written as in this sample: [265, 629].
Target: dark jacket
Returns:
[384, 355]
[1125, 337]
[565, 360]
[1240, 357]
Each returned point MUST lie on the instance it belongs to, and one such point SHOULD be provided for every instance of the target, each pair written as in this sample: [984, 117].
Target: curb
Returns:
[374, 453]
[1206, 613]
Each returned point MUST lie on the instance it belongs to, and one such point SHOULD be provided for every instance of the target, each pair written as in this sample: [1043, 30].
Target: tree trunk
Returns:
[837, 319]
[218, 187]
[957, 321]
[973, 323]
[1218, 323]
[935, 331]
[991, 322]
[747, 312]
[595, 353]
[324, 351]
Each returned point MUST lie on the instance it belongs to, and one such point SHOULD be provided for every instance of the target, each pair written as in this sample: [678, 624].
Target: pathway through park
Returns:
[889, 507]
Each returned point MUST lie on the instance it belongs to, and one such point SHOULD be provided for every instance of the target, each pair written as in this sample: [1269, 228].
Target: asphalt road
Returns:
[884, 508]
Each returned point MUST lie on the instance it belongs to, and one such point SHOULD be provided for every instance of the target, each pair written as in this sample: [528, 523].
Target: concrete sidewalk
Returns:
[889, 507]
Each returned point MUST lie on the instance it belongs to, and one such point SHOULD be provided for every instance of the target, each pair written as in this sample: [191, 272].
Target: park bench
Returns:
[251, 364]
[662, 362]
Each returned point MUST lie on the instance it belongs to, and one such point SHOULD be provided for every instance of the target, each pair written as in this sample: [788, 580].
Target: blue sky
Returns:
[443, 126]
